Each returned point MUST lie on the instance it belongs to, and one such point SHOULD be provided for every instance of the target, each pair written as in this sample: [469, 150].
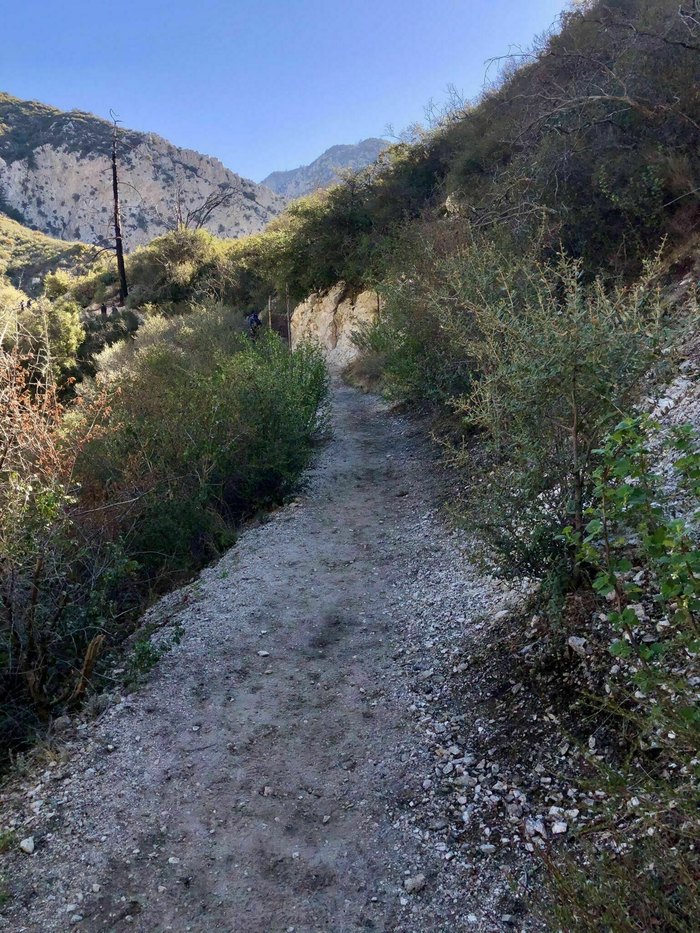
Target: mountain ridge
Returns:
[324, 170]
[54, 177]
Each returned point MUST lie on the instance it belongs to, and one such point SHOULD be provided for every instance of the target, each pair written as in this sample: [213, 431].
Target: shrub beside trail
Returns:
[546, 370]
[132, 487]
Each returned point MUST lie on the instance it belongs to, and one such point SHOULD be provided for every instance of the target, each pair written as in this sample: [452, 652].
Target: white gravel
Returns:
[291, 764]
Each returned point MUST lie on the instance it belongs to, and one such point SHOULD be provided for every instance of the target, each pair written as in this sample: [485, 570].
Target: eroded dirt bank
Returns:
[278, 771]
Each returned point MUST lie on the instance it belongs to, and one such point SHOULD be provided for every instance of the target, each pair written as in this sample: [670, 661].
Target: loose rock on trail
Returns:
[277, 772]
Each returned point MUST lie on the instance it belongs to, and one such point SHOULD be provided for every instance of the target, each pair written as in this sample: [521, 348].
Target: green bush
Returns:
[436, 274]
[535, 358]
[205, 427]
[184, 265]
[557, 358]
[63, 583]
[141, 480]
[57, 284]
[639, 868]
[47, 333]
[94, 286]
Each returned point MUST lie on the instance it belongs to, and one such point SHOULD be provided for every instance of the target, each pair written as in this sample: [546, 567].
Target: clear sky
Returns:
[261, 84]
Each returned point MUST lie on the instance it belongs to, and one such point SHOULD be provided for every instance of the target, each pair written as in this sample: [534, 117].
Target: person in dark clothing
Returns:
[103, 310]
[254, 324]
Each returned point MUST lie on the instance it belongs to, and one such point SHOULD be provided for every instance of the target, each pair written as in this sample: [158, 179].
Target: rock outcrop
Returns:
[323, 171]
[331, 318]
[55, 177]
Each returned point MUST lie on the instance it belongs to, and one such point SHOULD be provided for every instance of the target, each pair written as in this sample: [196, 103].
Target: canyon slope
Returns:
[55, 177]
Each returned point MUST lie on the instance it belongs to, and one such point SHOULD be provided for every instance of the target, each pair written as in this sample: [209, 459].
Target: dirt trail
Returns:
[256, 783]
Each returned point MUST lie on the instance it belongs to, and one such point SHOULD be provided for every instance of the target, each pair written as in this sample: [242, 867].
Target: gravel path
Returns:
[274, 773]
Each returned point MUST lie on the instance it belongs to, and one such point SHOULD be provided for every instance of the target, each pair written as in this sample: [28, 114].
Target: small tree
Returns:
[194, 218]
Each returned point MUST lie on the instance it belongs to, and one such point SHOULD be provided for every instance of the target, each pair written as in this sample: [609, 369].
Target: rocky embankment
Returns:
[332, 318]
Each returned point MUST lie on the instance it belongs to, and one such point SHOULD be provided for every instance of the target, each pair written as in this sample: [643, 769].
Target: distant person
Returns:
[103, 310]
[114, 309]
[254, 324]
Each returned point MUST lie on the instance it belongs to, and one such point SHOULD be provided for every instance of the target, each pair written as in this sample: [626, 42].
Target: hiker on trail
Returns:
[103, 310]
[254, 324]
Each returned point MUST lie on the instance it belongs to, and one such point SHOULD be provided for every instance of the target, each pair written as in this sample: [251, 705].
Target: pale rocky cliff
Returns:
[323, 171]
[55, 177]
[331, 318]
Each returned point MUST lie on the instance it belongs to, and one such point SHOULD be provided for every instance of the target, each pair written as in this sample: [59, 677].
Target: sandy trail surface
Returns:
[257, 782]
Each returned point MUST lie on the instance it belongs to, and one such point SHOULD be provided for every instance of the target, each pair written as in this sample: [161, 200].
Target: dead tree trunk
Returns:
[118, 242]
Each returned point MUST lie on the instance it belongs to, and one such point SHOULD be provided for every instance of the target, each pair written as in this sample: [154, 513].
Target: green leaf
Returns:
[624, 565]
[603, 586]
[690, 714]
[620, 648]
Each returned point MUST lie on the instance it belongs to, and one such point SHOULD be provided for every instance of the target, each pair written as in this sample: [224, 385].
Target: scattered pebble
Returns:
[27, 845]
[414, 884]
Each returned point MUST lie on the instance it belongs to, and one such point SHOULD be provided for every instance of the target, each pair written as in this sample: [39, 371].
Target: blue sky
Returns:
[261, 84]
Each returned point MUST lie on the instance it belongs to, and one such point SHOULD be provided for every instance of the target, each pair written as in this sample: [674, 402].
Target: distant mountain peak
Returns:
[324, 170]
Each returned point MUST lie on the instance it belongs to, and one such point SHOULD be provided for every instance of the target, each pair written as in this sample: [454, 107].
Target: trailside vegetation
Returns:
[126, 489]
[524, 247]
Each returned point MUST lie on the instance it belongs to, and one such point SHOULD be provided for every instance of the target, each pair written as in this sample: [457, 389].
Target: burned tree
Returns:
[118, 241]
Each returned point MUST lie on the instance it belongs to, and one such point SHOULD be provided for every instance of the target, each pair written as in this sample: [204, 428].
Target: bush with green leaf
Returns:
[639, 869]
[558, 358]
[183, 265]
[62, 580]
[136, 483]
[47, 333]
[57, 284]
[436, 274]
[205, 427]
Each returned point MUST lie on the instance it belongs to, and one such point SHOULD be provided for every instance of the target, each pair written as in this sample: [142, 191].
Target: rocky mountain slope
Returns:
[324, 170]
[55, 177]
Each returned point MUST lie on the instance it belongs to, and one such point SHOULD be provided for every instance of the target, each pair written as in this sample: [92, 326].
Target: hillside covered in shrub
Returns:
[587, 143]
[26, 256]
